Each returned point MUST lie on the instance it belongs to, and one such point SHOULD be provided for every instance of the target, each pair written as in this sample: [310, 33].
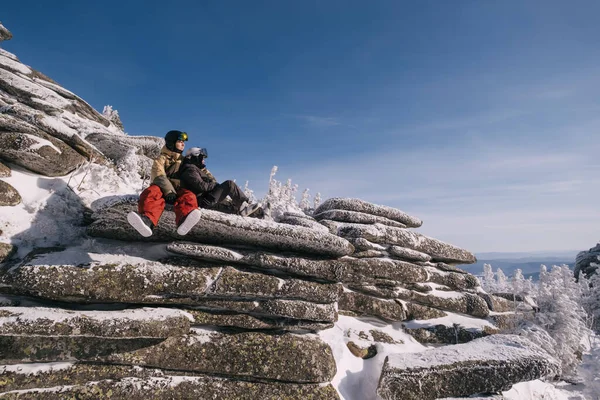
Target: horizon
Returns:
[479, 118]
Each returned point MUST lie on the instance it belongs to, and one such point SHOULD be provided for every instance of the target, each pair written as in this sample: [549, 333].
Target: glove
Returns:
[170, 198]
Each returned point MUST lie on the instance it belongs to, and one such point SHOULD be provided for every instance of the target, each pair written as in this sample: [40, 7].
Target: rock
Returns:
[40, 153]
[452, 280]
[5, 172]
[442, 334]
[223, 229]
[117, 147]
[490, 364]
[378, 233]
[420, 312]
[497, 303]
[357, 217]
[362, 352]
[157, 283]
[408, 254]
[302, 221]
[6, 251]
[361, 244]
[4, 33]
[116, 382]
[250, 322]
[587, 262]
[361, 206]
[8, 195]
[16, 349]
[370, 254]
[144, 322]
[287, 357]
[293, 309]
[346, 269]
[362, 304]
[464, 303]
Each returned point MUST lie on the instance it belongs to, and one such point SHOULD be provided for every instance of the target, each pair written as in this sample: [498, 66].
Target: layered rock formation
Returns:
[233, 309]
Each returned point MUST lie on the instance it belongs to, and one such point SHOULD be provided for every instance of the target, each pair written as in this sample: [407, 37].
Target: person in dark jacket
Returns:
[199, 184]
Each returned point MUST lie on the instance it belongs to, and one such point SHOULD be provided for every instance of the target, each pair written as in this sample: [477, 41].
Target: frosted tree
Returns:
[317, 201]
[305, 201]
[561, 315]
[249, 193]
[488, 282]
[281, 198]
[113, 116]
[501, 281]
[518, 282]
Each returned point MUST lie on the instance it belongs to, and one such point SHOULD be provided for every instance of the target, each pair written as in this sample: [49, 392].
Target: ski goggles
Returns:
[183, 136]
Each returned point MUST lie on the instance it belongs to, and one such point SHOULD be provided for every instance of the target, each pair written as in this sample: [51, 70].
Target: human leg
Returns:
[150, 207]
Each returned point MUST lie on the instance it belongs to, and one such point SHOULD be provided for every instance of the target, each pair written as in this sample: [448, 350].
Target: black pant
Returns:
[215, 199]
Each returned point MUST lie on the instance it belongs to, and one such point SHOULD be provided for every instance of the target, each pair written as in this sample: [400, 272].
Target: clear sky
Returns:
[480, 117]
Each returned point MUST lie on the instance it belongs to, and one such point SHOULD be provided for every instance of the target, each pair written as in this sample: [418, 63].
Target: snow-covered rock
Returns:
[356, 217]
[8, 195]
[489, 364]
[219, 228]
[362, 206]
[4, 171]
[87, 381]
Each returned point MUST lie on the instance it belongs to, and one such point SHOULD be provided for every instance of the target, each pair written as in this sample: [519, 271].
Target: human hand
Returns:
[170, 198]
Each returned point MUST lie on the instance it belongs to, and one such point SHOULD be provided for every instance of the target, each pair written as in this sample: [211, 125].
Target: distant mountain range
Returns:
[529, 262]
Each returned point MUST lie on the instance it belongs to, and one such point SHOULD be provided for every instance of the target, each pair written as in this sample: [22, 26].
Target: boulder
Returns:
[442, 334]
[6, 251]
[464, 303]
[361, 206]
[144, 322]
[251, 322]
[118, 146]
[379, 233]
[490, 364]
[94, 382]
[370, 254]
[454, 280]
[157, 283]
[8, 195]
[219, 228]
[301, 221]
[39, 152]
[287, 357]
[357, 217]
[361, 244]
[346, 269]
[291, 309]
[4, 171]
[408, 254]
[362, 304]
[419, 312]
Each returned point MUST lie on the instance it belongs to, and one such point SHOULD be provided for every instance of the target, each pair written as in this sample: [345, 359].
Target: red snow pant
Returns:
[152, 204]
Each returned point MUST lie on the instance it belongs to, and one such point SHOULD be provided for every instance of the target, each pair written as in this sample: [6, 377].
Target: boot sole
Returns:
[190, 221]
[138, 224]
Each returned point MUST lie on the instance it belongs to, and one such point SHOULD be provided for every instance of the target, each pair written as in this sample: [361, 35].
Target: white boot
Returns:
[189, 222]
[141, 223]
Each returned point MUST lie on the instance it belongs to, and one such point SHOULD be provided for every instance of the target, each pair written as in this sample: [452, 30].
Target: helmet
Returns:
[173, 136]
[196, 152]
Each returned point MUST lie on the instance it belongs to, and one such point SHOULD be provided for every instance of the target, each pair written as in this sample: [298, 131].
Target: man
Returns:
[200, 188]
[164, 189]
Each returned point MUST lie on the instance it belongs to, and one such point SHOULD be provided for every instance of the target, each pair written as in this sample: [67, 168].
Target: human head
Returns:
[196, 155]
[175, 141]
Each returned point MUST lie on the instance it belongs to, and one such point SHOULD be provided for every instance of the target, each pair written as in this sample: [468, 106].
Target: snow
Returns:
[35, 368]
[58, 315]
[11, 63]
[27, 85]
[39, 143]
[449, 320]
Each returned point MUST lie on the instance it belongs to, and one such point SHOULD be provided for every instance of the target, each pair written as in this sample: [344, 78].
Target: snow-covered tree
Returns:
[281, 198]
[488, 281]
[501, 281]
[113, 116]
[561, 315]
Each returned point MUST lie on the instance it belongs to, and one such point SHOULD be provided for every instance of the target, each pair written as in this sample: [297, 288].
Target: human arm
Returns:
[160, 176]
[196, 180]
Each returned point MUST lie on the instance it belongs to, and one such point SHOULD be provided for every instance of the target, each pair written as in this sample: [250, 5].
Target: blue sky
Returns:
[480, 117]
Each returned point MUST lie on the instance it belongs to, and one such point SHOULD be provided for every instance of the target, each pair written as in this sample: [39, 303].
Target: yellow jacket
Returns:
[164, 171]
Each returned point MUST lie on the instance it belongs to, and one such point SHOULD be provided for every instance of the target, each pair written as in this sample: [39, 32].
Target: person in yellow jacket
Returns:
[163, 189]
